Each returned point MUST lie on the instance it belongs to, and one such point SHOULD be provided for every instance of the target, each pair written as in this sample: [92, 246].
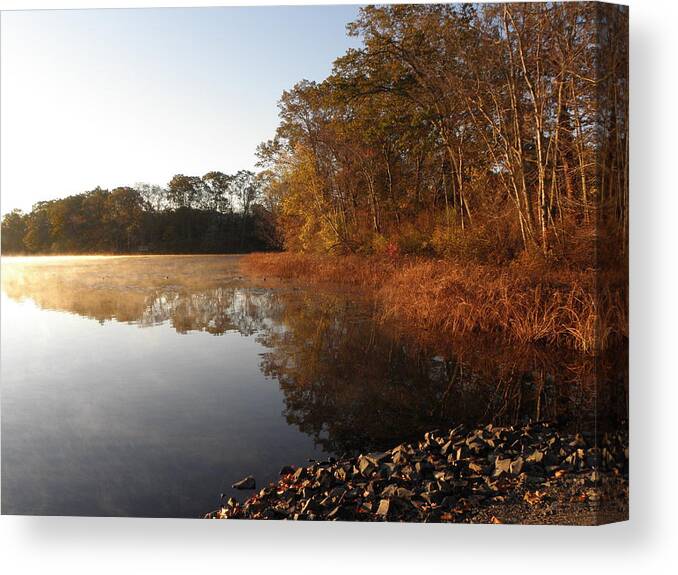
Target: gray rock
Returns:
[337, 492]
[433, 496]
[476, 444]
[365, 465]
[403, 493]
[516, 466]
[502, 465]
[384, 506]
[335, 513]
[247, 483]
[389, 490]
[400, 457]
[299, 474]
[536, 457]
[423, 467]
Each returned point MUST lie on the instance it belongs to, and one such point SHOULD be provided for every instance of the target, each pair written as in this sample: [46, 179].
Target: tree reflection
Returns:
[356, 384]
[349, 380]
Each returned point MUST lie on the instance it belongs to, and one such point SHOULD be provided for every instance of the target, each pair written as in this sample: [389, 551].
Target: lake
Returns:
[147, 385]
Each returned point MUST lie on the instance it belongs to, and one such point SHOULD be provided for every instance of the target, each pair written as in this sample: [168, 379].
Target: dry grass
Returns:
[576, 309]
[349, 270]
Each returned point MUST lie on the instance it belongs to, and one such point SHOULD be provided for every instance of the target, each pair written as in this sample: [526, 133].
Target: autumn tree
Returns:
[13, 231]
[473, 131]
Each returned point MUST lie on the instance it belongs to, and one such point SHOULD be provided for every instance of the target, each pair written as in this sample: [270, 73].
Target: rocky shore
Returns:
[529, 474]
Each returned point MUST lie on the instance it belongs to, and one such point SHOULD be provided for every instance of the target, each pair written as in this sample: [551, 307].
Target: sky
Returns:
[114, 97]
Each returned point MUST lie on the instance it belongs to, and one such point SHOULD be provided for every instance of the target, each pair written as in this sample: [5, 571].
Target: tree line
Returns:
[479, 131]
[215, 213]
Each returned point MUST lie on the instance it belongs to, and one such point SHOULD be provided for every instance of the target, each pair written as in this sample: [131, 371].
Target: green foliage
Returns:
[217, 213]
[13, 231]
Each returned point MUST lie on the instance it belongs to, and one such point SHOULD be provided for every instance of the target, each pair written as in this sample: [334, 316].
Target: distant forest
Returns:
[215, 213]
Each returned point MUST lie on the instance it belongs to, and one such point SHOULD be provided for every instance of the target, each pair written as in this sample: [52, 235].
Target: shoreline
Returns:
[529, 475]
[525, 304]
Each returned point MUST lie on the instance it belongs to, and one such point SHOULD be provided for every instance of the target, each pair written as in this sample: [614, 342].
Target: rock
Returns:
[247, 483]
[533, 480]
[384, 506]
[337, 492]
[307, 491]
[516, 466]
[389, 490]
[423, 467]
[444, 486]
[309, 506]
[365, 466]
[476, 444]
[376, 458]
[400, 457]
[535, 457]
[502, 465]
[341, 474]
[433, 497]
[445, 477]
[403, 493]
[365, 507]
[578, 441]
[593, 495]
[322, 474]
[553, 442]
[448, 501]
[299, 474]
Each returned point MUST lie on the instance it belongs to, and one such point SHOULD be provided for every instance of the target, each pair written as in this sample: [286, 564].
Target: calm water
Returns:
[145, 386]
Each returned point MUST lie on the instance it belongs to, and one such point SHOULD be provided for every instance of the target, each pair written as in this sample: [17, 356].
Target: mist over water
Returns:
[147, 385]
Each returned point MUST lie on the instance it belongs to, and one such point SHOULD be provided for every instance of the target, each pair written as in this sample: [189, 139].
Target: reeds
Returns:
[580, 310]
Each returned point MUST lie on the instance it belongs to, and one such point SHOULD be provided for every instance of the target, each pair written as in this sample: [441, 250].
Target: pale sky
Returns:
[115, 97]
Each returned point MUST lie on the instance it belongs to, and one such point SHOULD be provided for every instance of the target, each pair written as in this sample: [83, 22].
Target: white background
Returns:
[647, 543]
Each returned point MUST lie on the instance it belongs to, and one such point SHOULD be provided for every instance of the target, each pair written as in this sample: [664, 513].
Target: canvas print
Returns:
[354, 263]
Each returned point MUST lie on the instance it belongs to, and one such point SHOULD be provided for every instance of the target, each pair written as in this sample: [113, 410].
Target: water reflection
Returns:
[355, 384]
[348, 380]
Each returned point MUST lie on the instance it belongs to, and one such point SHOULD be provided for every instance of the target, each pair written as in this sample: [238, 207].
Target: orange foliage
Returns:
[526, 303]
